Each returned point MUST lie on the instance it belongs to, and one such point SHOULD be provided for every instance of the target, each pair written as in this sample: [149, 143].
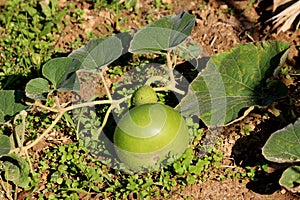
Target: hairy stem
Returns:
[169, 88]
[41, 136]
[170, 70]
[105, 119]
[39, 104]
[6, 189]
[61, 111]
[86, 104]
[156, 78]
[105, 86]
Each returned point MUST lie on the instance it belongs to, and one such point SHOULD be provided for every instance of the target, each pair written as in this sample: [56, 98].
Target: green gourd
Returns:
[148, 133]
[143, 95]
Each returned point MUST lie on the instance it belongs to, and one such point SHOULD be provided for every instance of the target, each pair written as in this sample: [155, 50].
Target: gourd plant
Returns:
[283, 146]
[62, 75]
[226, 88]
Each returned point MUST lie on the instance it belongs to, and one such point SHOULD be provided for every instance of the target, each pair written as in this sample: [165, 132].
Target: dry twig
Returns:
[287, 17]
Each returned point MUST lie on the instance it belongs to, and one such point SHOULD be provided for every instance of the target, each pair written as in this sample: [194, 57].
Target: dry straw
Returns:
[288, 16]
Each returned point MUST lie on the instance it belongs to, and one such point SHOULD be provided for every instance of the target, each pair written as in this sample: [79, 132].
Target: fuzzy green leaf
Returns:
[290, 179]
[16, 170]
[98, 52]
[4, 145]
[62, 73]
[283, 146]
[10, 104]
[11, 172]
[189, 50]
[37, 88]
[233, 81]
[163, 34]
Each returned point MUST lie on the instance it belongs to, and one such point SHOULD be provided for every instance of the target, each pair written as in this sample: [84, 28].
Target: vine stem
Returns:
[20, 142]
[105, 86]
[169, 88]
[7, 192]
[86, 104]
[42, 135]
[155, 78]
[16, 192]
[171, 85]
[170, 69]
[37, 103]
[61, 111]
[105, 118]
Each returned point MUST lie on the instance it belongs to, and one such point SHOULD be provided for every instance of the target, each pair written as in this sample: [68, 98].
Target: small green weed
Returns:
[28, 36]
[115, 71]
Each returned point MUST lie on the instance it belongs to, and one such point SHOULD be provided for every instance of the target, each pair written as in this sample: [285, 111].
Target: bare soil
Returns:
[220, 25]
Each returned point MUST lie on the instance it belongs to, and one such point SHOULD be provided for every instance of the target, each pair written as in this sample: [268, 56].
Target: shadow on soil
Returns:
[247, 151]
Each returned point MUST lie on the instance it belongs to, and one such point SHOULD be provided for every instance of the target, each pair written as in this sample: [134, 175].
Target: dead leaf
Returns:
[287, 17]
[277, 3]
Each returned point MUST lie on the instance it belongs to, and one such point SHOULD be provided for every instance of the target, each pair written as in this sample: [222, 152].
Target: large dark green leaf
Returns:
[98, 52]
[163, 34]
[283, 146]
[4, 145]
[290, 179]
[233, 81]
[10, 104]
[62, 73]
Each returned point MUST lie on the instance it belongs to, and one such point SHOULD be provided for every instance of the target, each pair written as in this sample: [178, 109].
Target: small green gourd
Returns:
[143, 95]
